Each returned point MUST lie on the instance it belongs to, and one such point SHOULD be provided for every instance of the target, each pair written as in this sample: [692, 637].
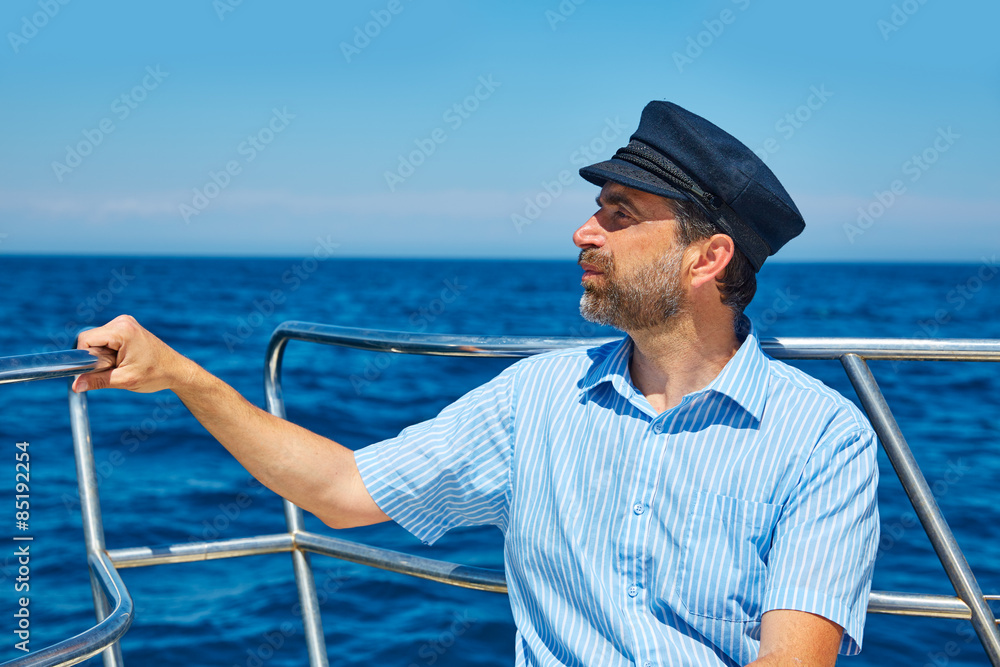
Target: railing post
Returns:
[90, 508]
[312, 621]
[924, 504]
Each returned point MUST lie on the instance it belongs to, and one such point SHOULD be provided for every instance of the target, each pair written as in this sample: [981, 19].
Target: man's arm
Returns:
[797, 639]
[313, 472]
[824, 544]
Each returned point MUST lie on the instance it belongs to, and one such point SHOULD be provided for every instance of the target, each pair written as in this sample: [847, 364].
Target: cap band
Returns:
[649, 159]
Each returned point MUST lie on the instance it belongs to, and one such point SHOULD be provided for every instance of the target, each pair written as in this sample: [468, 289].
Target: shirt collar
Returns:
[613, 368]
[744, 378]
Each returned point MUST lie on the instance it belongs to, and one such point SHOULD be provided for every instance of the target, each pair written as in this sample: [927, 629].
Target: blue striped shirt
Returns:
[637, 538]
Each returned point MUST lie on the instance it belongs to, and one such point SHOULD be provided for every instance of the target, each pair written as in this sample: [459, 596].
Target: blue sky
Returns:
[253, 128]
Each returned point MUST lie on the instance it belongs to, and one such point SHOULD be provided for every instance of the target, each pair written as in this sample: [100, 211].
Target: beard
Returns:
[652, 297]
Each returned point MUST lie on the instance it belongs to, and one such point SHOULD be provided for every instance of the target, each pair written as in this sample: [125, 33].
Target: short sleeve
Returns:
[824, 545]
[452, 470]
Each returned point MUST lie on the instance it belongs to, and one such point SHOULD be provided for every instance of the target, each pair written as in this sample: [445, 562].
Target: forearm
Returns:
[313, 472]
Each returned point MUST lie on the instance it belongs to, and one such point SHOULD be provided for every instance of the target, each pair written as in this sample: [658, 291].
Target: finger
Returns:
[100, 377]
[111, 335]
[98, 338]
[90, 381]
[107, 358]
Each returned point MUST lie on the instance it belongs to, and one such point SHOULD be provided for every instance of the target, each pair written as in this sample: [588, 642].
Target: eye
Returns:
[622, 217]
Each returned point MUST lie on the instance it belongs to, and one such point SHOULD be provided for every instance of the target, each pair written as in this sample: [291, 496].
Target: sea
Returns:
[164, 480]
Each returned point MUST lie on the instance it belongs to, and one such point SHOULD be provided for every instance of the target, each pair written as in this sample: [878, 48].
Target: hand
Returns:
[141, 362]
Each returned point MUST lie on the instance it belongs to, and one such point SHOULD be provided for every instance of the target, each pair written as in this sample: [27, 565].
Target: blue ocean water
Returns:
[163, 479]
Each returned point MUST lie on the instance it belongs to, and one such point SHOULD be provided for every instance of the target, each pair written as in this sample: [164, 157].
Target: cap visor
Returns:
[629, 175]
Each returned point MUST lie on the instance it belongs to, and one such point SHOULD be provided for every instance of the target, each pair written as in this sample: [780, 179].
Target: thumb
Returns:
[88, 381]
[100, 378]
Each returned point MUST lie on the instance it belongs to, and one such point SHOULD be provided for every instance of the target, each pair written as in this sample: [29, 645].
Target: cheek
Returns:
[634, 256]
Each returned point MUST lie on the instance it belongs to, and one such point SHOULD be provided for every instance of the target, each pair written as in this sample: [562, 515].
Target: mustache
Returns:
[603, 261]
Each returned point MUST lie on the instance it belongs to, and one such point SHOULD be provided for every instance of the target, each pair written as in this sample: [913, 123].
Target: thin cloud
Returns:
[452, 204]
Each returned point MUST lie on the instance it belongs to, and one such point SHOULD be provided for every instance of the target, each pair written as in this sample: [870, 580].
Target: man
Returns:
[674, 498]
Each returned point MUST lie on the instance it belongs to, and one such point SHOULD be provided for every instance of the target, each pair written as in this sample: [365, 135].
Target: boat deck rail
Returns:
[113, 603]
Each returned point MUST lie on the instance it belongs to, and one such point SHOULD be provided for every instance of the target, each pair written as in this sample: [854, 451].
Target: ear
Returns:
[710, 257]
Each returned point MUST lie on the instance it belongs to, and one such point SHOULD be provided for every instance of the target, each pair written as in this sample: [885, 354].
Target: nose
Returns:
[590, 234]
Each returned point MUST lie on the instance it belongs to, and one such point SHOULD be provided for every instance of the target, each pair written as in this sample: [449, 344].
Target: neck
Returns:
[684, 355]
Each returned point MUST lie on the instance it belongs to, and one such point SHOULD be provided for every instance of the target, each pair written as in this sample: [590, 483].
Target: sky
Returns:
[415, 128]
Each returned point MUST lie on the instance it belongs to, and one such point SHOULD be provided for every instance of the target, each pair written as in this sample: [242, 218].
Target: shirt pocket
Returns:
[724, 563]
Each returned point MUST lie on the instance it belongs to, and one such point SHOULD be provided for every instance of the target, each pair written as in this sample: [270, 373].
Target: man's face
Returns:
[631, 260]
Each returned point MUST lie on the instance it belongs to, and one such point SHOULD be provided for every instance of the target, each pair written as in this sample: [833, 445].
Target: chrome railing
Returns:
[115, 616]
[112, 601]
[48, 365]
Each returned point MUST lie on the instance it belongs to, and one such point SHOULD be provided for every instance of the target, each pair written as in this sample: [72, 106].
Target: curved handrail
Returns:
[48, 365]
[852, 352]
[89, 642]
[454, 574]
[445, 572]
[412, 343]
[376, 340]
[191, 552]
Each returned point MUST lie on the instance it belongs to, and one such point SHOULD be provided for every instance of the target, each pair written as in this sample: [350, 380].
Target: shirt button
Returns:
[638, 508]
[633, 590]
[647, 664]
[658, 428]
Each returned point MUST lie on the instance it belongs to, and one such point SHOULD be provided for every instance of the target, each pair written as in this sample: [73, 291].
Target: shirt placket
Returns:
[638, 525]
[654, 448]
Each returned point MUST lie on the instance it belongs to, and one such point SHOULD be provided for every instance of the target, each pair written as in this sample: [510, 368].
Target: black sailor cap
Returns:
[680, 155]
